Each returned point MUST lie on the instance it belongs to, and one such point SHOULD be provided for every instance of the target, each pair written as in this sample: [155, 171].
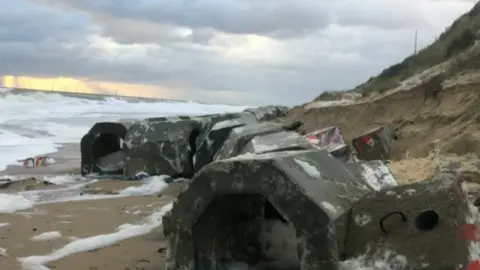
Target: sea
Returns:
[38, 122]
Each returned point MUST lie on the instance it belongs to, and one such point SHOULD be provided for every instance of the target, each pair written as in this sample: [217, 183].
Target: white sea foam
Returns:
[37, 122]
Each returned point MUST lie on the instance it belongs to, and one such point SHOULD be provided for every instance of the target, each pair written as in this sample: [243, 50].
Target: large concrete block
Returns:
[162, 146]
[275, 142]
[375, 173]
[267, 113]
[240, 136]
[211, 120]
[215, 138]
[375, 144]
[225, 216]
[101, 148]
[423, 222]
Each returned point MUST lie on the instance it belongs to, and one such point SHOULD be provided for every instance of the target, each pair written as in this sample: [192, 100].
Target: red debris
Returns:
[475, 265]
[471, 232]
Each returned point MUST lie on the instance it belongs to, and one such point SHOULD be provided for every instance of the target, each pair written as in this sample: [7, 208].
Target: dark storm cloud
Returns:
[283, 18]
[198, 46]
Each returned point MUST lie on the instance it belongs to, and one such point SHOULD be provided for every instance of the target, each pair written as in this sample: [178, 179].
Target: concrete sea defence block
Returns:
[101, 148]
[278, 141]
[240, 136]
[289, 208]
[162, 146]
[375, 144]
[424, 222]
[216, 136]
[375, 173]
[267, 113]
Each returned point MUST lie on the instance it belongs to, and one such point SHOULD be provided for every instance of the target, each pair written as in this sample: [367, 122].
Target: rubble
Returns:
[262, 195]
[331, 140]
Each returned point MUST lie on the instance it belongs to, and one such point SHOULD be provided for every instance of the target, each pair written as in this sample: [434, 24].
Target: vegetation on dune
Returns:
[460, 36]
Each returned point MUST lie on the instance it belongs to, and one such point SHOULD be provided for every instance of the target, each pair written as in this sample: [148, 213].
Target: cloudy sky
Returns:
[226, 51]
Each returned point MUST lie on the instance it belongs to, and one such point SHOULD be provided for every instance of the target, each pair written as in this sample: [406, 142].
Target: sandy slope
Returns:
[433, 115]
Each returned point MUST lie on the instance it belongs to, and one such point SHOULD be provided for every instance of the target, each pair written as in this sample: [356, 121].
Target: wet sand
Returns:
[81, 219]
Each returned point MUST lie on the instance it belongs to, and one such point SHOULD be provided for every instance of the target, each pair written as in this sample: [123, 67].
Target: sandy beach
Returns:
[105, 224]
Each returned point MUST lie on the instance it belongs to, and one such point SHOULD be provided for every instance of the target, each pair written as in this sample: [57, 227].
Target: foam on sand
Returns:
[11, 203]
[46, 236]
[149, 186]
[123, 232]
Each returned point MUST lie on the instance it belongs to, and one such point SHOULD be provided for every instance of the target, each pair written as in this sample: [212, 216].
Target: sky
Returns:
[221, 51]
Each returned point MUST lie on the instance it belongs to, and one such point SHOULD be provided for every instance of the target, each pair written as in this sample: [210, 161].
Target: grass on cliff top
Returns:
[460, 36]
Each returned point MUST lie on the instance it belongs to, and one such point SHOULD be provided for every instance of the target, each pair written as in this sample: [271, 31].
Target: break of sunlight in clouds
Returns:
[85, 86]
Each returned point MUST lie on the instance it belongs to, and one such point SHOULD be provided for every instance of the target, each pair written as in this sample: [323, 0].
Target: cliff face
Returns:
[436, 114]
[431, 98]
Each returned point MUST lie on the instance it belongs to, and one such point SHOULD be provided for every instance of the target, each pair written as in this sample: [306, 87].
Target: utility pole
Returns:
[415, 43]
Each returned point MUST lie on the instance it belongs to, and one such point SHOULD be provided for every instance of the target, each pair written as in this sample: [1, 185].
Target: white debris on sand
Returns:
[11, 203]
[65, 179]
[4, 224]
[46, 236]
[123, 232]
[3, 252]
[151, 185]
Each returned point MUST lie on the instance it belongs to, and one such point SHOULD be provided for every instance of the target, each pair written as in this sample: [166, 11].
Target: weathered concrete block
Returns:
[211, 120]
[240, 136]
[216, 137]
[375, 173]
[288, 208]
[424, 222]
[275, 142]
[162, 146]
[375, 144]
[102, 141]
[267, 113]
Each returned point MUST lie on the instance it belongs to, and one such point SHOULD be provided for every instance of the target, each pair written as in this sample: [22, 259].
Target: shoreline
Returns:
[67, 161]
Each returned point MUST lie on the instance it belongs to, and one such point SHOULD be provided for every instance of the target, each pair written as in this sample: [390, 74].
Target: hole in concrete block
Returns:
[107, 145]
[234, 229]
[271, 213]
[427, 220]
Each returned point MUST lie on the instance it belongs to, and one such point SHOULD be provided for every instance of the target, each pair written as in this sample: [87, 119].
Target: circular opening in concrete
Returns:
[104, 145]
[427, 220]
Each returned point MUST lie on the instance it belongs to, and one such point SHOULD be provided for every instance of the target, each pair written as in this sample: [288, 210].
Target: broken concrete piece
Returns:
[216, 137]
[424, 222]
[375, 173]
[241, 136]
[375, 144]
[331, 140]
[228, 212]
[275, 142]
[103, 139]
[162, 146]
[267, 113]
